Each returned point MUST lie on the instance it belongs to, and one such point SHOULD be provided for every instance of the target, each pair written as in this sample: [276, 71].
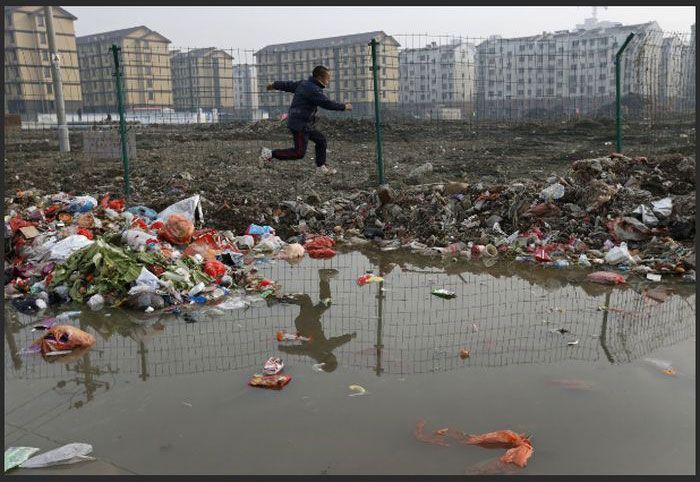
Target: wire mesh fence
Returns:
[547, 77]
[396, 328]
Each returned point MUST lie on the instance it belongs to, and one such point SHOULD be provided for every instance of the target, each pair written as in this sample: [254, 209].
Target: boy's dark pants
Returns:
[301, 139]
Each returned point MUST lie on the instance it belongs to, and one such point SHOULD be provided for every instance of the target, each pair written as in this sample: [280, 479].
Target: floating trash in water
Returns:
[571, 384]
[572, 343]
[68, 454]
[14, 456]
[665, 366]
[464, 354]
[318, 367]
[359, 390]
[443, 293]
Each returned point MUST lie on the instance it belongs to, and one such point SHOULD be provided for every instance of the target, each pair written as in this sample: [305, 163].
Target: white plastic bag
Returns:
[269, 243]
[62, 250]
[147, 279]
[663, 207]
[648, 217]
[555, 191]
[135, 238]
[619, 254]
[187, 207]
[68, 454]
[96, 302]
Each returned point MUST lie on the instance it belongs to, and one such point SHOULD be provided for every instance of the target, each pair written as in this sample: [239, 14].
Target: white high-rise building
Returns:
[245, 90]
[437, 77]
[565, 71]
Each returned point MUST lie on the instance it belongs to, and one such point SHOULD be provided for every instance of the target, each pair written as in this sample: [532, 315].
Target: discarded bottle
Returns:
[443, 293]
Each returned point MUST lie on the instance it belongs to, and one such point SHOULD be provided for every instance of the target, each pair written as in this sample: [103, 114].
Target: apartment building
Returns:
[688, 73]
[349, 59]
[671, 81]
[245, 91]
[202, 78]
[145, 62]
[564, 72]
[28, 78]
[436, 77]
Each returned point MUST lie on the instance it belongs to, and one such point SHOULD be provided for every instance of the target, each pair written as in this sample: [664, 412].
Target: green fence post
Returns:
[377, 114]
[122, 120]
[618, 95]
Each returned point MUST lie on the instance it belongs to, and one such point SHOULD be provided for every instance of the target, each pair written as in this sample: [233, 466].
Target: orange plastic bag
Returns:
[520, 448]
[321, 253]
[207, 253]
[606, 277]
[177, 230]
[64, 337]
[319, 242]
[215, 269]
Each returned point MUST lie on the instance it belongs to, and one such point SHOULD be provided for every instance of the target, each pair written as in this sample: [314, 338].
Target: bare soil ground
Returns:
[220, 161]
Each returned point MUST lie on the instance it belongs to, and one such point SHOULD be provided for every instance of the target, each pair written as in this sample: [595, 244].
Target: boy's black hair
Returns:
[319, 70]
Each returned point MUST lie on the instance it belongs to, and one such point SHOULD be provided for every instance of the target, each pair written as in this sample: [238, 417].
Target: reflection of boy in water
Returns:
[308, 324]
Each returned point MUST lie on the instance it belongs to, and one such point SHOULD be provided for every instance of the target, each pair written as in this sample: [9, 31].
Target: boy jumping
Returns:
[308, 96]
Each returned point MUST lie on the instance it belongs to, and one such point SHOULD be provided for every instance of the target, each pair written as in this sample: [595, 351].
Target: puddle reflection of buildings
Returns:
[398, 328]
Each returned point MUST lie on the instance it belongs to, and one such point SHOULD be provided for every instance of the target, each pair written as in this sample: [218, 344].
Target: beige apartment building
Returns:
[349, 59]
[28, 80]
[202, 78]
[145, 62]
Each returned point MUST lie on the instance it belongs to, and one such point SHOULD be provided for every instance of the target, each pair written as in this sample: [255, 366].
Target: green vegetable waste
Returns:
[114, 269]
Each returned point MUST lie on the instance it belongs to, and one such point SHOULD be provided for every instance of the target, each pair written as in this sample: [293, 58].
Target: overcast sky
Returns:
[255, 27]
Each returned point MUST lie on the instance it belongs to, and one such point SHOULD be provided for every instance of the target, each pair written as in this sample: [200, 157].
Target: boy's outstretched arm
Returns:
[321, 100]
[283, 85]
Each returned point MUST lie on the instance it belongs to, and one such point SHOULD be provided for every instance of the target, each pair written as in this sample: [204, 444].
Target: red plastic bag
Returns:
[16, 223]
[542, 255]
[85, 232]
[319, 242]
[157, 225]
[320, 247]
[275, 382]
[321, 253]
[115, 204]
[606, 277]
[177, 230]
[215, 269]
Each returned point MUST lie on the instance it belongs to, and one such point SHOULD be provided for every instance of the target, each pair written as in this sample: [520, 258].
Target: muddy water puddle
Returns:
[577, 367]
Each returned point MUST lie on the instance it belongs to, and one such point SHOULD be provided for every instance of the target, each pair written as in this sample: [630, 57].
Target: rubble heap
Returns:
[632, 213]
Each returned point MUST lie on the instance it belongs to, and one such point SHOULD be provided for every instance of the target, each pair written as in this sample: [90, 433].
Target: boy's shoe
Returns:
[325, 171]
[273, 366]
[265, 154]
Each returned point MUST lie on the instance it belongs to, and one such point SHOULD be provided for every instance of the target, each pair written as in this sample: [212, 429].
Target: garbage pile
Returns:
[632, 214]
[64, 247]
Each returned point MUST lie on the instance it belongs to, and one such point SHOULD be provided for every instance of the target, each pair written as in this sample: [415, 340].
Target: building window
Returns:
[42, 38]
[150, 96]
[47, 72]
[8, 20]
[45, 55]
[40, 20]
[49, 89]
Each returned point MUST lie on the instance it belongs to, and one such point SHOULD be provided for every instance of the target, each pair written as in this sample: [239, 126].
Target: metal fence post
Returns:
[63, 137]
[122, 119]
[618, 95]
[377, 114]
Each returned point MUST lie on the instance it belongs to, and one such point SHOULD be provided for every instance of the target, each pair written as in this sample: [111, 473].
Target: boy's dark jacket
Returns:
[308, 96]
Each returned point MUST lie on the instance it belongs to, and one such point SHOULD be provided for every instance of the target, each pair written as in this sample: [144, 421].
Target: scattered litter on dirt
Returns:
[68, 454]
[15, 456]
